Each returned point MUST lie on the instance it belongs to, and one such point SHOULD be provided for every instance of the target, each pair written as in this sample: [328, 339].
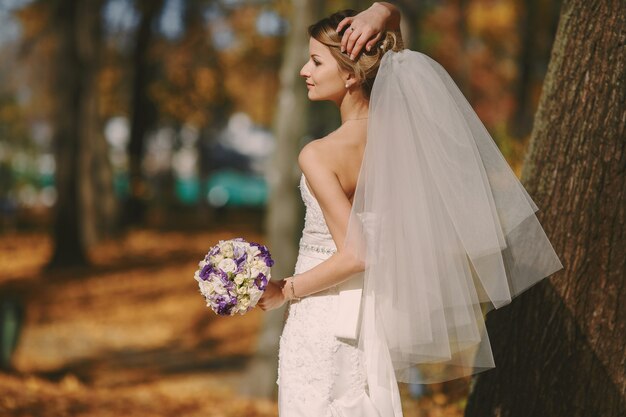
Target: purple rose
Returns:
[261, 282]
[241, 262]
[224, 278]
[265, 253]
[206, 271]
[214, 251]
[223, 306]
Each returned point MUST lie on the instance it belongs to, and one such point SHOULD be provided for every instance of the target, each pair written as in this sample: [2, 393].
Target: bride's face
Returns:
[324, 79]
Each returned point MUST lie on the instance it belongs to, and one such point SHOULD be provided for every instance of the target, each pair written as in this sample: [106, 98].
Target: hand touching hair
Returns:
[365, 63]
[367, 27]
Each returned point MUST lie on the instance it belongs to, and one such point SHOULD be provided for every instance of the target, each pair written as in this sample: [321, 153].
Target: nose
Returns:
[304, 72]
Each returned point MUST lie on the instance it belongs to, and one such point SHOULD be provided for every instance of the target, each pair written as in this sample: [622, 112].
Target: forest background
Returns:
[136, 133]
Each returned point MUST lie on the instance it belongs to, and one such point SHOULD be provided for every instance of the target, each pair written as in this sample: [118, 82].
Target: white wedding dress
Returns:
[318, 374]
[463, 239]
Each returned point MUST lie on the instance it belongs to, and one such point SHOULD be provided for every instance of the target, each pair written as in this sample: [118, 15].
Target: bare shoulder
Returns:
[316, 155]
[338, 149]
[336, 157]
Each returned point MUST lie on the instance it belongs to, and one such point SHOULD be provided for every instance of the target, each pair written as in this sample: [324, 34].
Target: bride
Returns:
[415, 227]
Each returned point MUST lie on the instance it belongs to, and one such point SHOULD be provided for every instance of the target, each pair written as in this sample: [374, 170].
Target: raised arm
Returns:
[368, 27]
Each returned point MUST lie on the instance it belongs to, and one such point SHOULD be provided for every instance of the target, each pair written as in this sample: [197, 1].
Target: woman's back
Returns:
[343, 153]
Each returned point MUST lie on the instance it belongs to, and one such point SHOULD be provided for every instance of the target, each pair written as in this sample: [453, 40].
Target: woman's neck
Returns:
[353, 106]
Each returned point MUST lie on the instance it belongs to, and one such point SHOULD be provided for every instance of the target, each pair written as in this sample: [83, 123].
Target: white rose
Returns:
[219, 289]
[246, 270]
[239, 278]
[255, 295]
[206, 287]
[227, 250]
[215, 259]
[227, 265]
[260, 264]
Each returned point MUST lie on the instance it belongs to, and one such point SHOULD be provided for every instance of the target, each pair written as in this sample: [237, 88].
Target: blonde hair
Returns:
[365, 66]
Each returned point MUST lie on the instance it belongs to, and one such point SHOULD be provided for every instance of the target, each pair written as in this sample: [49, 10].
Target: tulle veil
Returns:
[444, 227]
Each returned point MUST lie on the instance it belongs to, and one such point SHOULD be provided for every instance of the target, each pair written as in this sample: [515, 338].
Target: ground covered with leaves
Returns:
[130, 335]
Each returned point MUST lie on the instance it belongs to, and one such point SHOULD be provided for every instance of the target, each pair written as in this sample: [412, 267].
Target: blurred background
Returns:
[136, 133]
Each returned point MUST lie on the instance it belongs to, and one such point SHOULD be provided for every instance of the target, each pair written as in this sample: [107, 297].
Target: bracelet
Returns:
[293, 293]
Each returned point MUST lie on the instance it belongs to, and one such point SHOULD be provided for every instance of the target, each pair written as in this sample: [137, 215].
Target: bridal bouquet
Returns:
[233, 275]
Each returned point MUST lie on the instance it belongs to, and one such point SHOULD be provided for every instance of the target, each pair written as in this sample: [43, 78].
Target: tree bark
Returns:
[523, 117]
[537, 29]
[411, 22]
[69, 85]
[560, 348]
[284, 219]
[97, 200]
[142, 109]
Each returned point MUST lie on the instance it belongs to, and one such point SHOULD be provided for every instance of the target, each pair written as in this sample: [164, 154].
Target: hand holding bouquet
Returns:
[233, 275]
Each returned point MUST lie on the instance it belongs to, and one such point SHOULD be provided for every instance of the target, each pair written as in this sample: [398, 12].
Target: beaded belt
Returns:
[317, 248]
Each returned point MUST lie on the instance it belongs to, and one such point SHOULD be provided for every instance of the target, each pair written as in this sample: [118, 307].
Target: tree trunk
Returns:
[537, 29]
[523, 117]
[284, 210]
[143, 111]
[412, 21]
[68, 88]
[97, 199]
[560, 348]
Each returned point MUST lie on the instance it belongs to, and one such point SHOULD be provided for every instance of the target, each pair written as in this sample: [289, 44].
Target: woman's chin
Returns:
[312, 96]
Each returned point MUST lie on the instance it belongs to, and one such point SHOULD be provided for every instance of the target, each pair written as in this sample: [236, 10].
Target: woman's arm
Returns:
[336, 207]
[332, 271]
[368, 27]
[393, 20]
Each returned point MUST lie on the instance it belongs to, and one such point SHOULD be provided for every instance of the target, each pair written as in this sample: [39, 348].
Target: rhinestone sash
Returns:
[317, 248]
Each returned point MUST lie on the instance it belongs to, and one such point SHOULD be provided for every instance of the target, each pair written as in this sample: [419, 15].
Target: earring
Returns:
[346, 85]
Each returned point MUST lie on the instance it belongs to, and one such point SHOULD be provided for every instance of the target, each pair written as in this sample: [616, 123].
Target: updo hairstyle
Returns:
[365, 65]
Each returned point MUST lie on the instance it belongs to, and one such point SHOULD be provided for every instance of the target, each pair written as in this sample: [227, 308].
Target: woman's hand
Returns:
[366, 28]
[272, 296]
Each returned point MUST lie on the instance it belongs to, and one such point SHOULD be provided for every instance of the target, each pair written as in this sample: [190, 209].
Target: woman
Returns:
[414, 225]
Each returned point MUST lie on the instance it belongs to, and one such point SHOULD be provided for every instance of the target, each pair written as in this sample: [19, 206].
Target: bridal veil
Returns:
[444, 227]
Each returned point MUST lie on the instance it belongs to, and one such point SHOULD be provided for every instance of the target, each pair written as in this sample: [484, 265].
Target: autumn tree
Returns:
[537, 27]
[74, 24]
[283, 219]
[98, 203]
[142, 110]
[560, 348]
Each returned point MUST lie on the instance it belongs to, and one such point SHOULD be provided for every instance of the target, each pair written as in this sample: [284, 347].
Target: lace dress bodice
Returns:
[315, 230]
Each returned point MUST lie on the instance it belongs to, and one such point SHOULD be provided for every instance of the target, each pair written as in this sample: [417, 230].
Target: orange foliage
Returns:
[489, 18]
[131, 335]
[483, 64]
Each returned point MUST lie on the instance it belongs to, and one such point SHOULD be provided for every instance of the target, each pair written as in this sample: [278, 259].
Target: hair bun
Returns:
[383, 44]
[390, 41]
